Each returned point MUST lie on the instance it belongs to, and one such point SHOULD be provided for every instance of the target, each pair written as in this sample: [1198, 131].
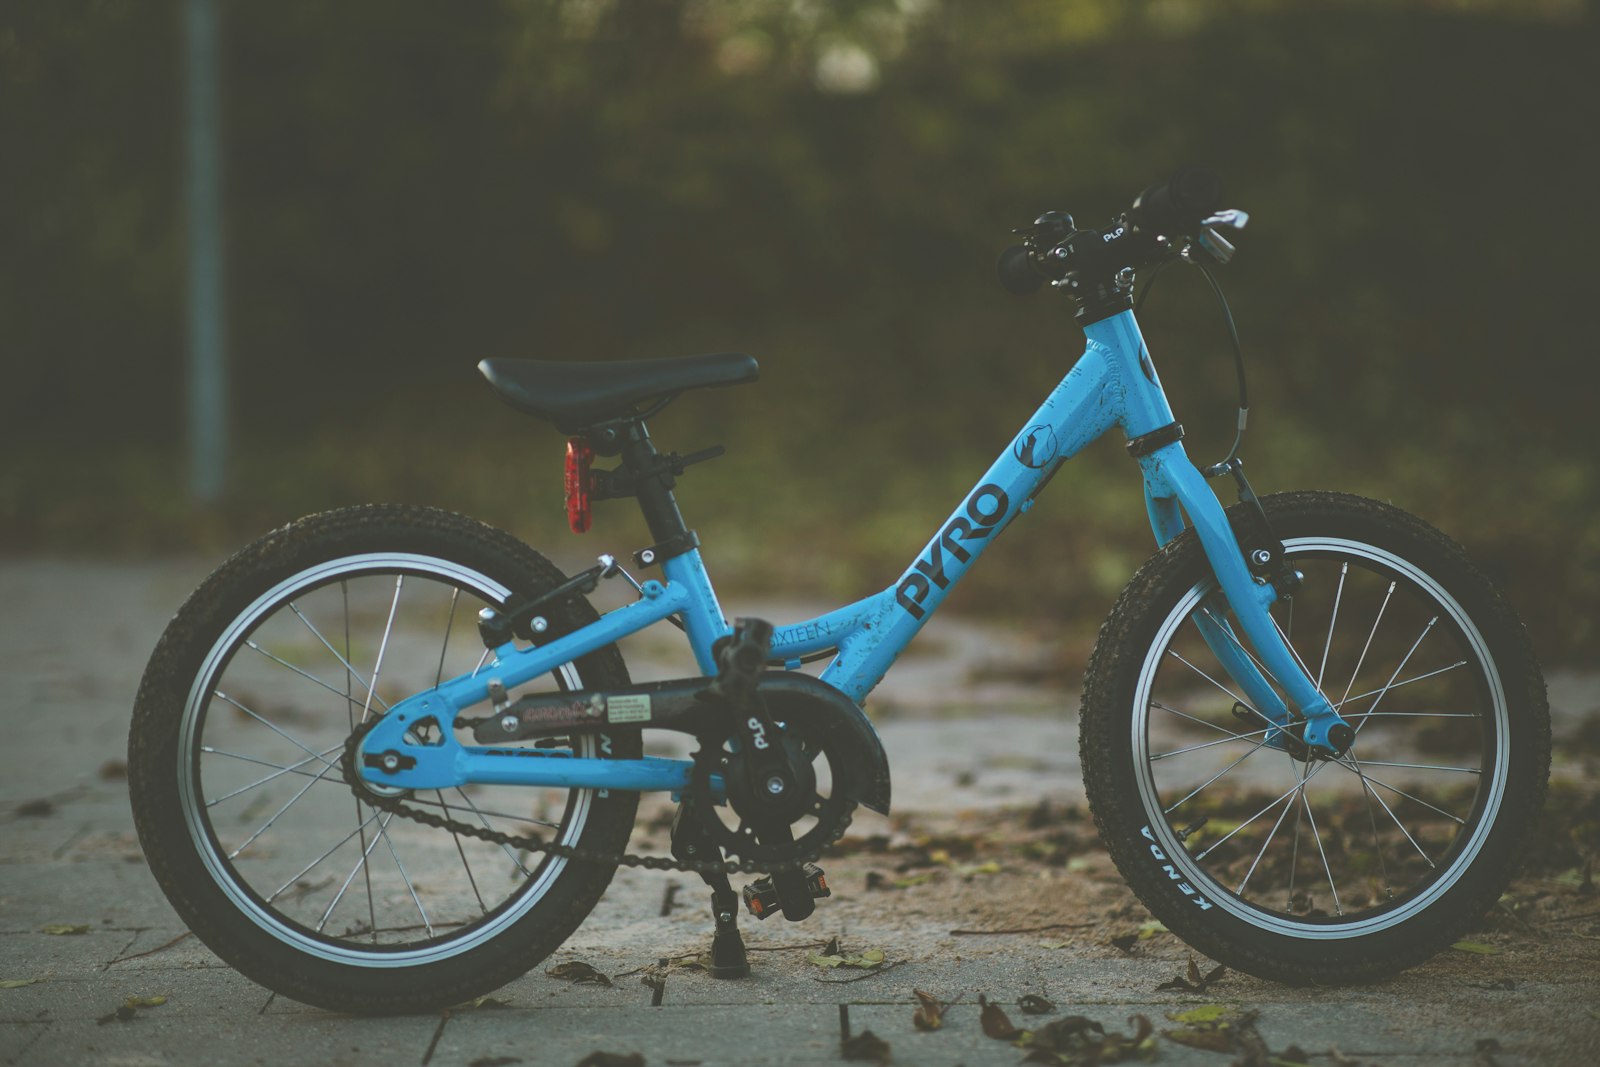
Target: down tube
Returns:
[1081, 408]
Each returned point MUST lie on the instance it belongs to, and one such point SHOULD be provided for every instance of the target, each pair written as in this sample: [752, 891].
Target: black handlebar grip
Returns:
[1178, 204]
[1017, 272]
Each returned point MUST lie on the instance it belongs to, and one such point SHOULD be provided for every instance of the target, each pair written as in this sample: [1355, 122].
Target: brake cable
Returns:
[1226, 464]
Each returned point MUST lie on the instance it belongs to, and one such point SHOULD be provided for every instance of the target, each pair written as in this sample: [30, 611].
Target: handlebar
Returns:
[1160, 223]
[1179, 204]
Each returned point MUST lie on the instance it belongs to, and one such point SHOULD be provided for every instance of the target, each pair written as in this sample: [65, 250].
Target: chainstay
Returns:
[394, 806]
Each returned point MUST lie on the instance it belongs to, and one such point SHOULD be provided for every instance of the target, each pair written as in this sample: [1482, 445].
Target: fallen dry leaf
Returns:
[869, 959]
[1033, 1004]
[930, 1013]
[482, 1004]
[996, 1023]
[1477, 947]
[578, 972]
[18, 983]
[1210, 1040]
[1194, 981]
[128, 1009]
[64, 929]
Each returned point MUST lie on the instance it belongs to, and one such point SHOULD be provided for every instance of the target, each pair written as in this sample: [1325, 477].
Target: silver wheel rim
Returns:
[1196, 862]
[298, 751]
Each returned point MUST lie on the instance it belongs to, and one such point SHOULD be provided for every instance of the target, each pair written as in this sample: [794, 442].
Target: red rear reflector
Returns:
[579, 483]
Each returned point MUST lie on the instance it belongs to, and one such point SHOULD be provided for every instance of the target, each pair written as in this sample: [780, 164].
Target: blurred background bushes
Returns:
[413, 186]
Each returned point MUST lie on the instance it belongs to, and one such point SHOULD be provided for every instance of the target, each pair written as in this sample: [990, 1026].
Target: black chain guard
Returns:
[750, 827]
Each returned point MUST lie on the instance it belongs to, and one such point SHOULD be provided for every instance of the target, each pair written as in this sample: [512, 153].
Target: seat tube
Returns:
[680, 558]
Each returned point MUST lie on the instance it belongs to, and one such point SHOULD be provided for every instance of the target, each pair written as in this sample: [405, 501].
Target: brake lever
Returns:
[1216, 246]
[1233, 218]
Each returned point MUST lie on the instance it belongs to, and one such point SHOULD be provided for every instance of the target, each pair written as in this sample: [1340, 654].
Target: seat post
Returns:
[653, 486]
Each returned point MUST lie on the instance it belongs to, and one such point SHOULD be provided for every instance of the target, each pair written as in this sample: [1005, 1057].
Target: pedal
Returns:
[761, 896]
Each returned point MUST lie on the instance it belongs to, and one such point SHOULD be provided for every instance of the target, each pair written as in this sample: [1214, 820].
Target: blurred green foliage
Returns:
[411, 187]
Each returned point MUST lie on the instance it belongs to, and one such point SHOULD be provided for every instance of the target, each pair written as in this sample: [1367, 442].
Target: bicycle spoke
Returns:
[1237, 698]
[1372, 821]
[1294, 853]
[1364, 648]
[515, 860]
[357, 869]
[1311, 817]
[1426, 767]
[1397, 685]
[1400, 824]
[1257, 861]
[449, 625]
[302, 673]
[1220, 841]
[1208, 744]
[310, 866]
[482, 907]
[293, 768]
[383, 832]
[1338, 595]
[1195, 718]
[1259, 745]
[350, 721]
[377, 668]
[1385, 691]
[1415, 800]
[325, 644]
[1414, 715]
[273, 727]
[264, 827]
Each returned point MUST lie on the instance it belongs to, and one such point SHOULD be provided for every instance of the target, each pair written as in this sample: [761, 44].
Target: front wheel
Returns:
[1272, 860]
[237, 781]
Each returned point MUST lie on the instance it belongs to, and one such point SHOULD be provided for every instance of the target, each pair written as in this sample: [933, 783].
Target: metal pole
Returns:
[207, 366]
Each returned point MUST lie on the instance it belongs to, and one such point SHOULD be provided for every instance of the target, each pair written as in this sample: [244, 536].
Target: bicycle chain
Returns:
[582, 855]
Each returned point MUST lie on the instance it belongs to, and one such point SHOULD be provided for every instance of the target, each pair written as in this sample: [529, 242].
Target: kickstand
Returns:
[689, 842]
[728, 959]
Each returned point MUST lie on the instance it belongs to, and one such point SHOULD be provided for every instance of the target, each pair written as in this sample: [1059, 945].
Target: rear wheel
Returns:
[1302, 869]
[237, 785]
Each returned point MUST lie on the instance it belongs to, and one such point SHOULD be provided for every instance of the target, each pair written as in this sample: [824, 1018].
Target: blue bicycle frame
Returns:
[1114, 384]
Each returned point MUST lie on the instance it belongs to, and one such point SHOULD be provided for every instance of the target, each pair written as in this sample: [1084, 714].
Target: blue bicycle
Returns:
[387, 758]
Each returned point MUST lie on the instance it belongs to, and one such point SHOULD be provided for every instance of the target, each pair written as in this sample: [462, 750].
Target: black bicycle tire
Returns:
[1108, 761]
[157, 806]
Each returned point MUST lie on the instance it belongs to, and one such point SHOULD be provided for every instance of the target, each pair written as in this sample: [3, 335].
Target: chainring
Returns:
[816, 819]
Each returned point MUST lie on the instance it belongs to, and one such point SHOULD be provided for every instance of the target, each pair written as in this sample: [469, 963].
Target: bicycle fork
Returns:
[1172, 482]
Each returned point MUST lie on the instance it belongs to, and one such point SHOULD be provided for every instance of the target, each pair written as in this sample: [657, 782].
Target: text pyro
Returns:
[983, 511]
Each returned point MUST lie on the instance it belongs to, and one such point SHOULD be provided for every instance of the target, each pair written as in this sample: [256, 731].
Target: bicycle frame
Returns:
[1113, 384]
